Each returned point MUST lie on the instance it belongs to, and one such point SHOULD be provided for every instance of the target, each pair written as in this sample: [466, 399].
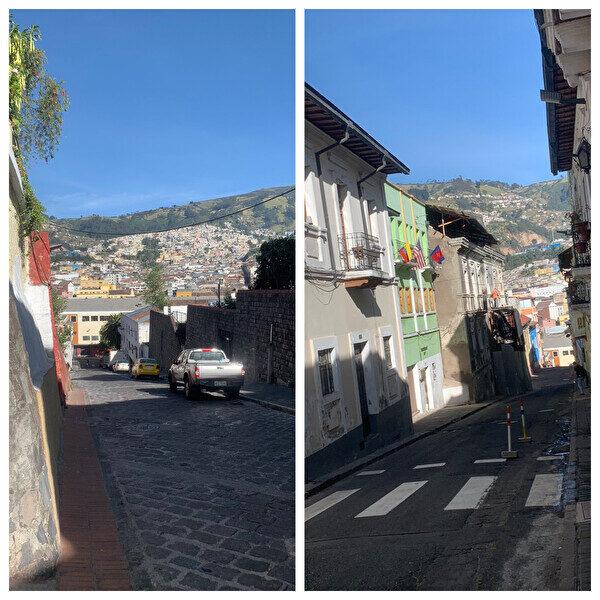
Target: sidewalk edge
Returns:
[271, 405]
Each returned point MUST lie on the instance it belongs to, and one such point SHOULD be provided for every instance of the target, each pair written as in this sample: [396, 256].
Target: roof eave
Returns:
[394, 165]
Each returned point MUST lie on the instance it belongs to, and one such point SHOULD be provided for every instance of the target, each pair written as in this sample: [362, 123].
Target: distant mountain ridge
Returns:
[516, 215]
[276, 216]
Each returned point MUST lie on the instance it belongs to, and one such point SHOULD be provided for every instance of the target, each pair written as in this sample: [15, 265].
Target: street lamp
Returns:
[219, 282]
[583, 156]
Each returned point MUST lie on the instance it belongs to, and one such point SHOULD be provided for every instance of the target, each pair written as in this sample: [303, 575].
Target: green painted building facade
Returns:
[419, 321]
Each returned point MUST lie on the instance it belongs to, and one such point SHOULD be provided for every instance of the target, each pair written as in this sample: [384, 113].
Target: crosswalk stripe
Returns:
[377, 472]
[472, 494]
[484, 461]
[430, 466]
[324, 503]
[398, 495]
[545, 490]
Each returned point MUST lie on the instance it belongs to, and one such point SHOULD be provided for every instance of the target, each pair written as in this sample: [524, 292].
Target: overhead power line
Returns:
[204, 222]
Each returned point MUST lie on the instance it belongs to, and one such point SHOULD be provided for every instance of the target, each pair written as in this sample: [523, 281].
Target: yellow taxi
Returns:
[145, 367]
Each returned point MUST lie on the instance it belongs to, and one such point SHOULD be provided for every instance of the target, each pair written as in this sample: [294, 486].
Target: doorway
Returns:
[362, 390]
[424, 390]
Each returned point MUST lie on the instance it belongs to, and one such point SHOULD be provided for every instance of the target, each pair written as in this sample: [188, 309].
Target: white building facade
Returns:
[356, 397]
[566, 57]
[135, 333]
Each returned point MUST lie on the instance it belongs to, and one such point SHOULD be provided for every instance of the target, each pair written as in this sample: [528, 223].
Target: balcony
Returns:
[581, 247]
[360, 254]
[579, 292]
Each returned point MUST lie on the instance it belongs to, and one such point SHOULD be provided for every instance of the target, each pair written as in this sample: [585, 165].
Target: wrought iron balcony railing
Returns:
[360, 252]
[579, 292]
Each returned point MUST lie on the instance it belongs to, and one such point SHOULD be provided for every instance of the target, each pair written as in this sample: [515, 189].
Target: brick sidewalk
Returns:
[91, 555]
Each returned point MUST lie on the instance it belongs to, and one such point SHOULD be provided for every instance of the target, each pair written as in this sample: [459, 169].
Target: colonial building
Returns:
[483, 349]
[88, 315]
[356, 399]
[135, 333]
[566, 58]
[558, 350]
[419, 324]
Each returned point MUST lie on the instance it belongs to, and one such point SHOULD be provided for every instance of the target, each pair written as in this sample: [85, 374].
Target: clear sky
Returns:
[449, 92]
[166, 107]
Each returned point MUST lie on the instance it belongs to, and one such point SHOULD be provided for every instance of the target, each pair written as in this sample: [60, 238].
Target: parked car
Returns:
[120, 365]
[145, 367]
[207, 369]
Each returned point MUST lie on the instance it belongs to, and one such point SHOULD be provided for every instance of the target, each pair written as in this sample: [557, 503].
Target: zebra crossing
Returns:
[545, 491]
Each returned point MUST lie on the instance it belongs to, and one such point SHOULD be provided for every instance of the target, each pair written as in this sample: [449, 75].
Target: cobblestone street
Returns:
[202, 491]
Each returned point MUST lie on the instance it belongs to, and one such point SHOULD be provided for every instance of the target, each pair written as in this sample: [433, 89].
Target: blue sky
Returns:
[166, 107]
[449, 92]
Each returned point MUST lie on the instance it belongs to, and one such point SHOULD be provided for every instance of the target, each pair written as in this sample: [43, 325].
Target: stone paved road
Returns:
[203, 490]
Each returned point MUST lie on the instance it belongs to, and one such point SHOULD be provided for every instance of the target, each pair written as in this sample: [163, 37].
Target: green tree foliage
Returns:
[110, 338]
[228, 302]
[150, 252]
[64, 330]
[276, 259]
[36, 105]
[154, 287]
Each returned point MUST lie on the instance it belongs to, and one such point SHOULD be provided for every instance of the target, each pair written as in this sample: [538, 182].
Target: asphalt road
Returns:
[202, 490]
[459, 525]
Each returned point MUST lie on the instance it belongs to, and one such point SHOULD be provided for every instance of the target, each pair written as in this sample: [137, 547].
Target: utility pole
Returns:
[219, 282]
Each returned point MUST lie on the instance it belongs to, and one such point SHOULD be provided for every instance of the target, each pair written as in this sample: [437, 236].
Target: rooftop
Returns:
[116, 305]
[556, 340]
[455, 223]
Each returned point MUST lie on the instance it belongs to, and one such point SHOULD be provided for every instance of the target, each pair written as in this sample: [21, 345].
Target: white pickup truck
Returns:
[206, 369]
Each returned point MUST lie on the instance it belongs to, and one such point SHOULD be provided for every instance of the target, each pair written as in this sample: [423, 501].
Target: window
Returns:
[85, 318]
[402, 301]
[409, 307]
[73, 319]
[94, 318]
[207, 355]
[565, 353]
[418, 301]
[86, 338]
[432, 299]
[325, 362]
[555, 354]
[388, 351]
[104, 318]
[94, 337]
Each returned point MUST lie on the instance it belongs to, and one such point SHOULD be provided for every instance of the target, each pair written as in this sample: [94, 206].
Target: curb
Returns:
[271, 405]
[311, 489]
[264, 403]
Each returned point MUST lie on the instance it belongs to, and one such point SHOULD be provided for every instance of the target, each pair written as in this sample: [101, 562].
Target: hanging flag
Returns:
[403, 255]
[437, 255]
[418, 256]
[408, 250]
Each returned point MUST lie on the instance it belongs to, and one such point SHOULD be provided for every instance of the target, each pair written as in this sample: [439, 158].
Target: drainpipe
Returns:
[359, 183]
[322, 190]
